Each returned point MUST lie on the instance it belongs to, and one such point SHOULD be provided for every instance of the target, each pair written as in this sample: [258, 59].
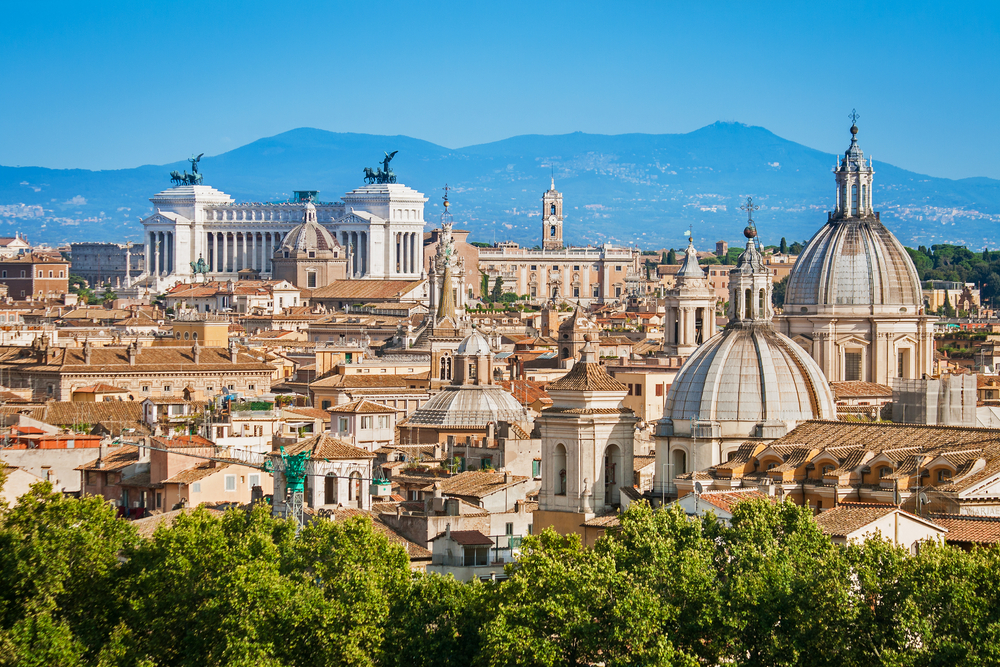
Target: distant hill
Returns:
[637, 188]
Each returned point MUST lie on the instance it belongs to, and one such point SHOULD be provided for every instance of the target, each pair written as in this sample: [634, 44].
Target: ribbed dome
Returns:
[750, 373]
[468, 405]
[853, 261]
[308, 236]
[474, 345]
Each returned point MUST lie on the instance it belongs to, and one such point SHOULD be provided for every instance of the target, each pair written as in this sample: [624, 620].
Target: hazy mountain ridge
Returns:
[626, 188]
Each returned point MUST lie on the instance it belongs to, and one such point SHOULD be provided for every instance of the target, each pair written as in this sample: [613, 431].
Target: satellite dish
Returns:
[698, 488]
[923, 498]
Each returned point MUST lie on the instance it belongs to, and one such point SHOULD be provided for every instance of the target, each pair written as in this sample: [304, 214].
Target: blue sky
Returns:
[119, 84]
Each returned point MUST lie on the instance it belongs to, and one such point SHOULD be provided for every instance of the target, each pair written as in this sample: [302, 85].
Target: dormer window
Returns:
[943, 476]
[884, 472]
[827, 470]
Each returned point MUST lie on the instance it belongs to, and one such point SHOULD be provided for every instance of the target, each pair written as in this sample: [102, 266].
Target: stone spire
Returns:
[446, 304]
[690, 269]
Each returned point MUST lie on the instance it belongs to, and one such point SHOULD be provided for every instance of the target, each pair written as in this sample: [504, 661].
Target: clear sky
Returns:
[102, 85]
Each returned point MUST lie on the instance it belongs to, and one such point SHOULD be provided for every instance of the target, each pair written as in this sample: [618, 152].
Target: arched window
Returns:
[560, 465]
[186, 334]
[330, 489]
[884, 472]
[864, 196]
[354, 487]
[444, 368]
[747, 304]
[552, 231]
[854, 199]
[760, 305]
[552, 209]
[843, 199]
[565, 353]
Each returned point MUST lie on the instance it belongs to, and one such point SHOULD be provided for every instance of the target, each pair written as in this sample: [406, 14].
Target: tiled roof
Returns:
[360, 381]
[478, 483]
[117, 459]
[146, 527]
[969, 529]
[116, 359]
[606, 521]
[857, 389]
[323, 446]
[726, 500]
[467, 538]
[849, 517]
[363, 405]
[366, 289]
[197, 473]
[587, 377]
[66, 413]
[640, 461]
[182, 442]
[312, 413]
[414, 551]
[100, 388]
[527, 391]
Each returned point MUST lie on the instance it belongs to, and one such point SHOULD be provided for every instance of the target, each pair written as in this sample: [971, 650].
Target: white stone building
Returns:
[853, 299]
[382, 226]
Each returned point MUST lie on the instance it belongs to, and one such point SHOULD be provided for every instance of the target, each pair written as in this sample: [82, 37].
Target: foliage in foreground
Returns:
[79, 587]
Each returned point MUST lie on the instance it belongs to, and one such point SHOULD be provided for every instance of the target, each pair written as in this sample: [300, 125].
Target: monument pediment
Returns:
[166, 218]
[360, 218]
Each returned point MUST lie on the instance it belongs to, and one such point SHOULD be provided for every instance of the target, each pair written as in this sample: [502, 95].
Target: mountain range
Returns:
[627, 189]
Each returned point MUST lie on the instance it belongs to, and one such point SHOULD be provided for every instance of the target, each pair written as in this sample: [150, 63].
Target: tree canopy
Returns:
[79, 586]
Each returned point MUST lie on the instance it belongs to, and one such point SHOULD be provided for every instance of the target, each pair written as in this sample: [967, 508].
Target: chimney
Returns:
[507, 477]
[233, 352]
[399, 511]
[196, 353]
[133, 352]
[87, 351]
[437, 450]
[447, 530]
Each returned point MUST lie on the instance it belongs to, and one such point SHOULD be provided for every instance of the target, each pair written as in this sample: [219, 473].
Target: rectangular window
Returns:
[618, 269]
[196, 487]
[254, 480]
[230, 482]
[576, 291]
[144, 388]
[659, 390]
[50, 274]
[166, 387]
[596, 291]
[852, 366]
[536, 468]
[39, 274]
[366, 422]
[576, 267]
[509, 528]
[343, 424]
[159, 500]
[618, 291]
[534, 267]
[4, 274]
[638, 390]
[251, 387]
[325, 405]
[61, 274]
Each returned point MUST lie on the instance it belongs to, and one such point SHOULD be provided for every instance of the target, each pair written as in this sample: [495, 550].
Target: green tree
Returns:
[778, 294]
[947, 309]
[58, 560]
[497, 292]
[86, 295]
[108, 296]
[435, 622]
[796, 248]
[671, 257]
[484, 285]
[76, 283]
[663, 259]
[783, 246]
[567, 605]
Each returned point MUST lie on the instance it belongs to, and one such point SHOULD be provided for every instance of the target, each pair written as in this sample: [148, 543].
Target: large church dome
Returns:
[753, 375]
[749, 373]
[853, 261]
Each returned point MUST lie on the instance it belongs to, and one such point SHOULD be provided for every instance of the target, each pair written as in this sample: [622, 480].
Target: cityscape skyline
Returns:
[199, 79]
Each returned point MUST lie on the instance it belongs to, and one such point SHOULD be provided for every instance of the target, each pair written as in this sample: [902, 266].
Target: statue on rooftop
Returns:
[383, 175]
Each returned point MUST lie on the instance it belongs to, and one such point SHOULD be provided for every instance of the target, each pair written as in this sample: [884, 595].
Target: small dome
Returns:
[750, 374]
[853, 261]
[474, 345]
[690, 267]
[469, 405]
[308, 236]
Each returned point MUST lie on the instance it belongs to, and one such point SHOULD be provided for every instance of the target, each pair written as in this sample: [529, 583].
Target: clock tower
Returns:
[552, 219]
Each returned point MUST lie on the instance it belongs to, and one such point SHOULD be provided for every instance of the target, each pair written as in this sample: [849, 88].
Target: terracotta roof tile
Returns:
[363, 405]
[197, 473]
[587, 377]
[858, 389]
[323, 446]
[969, 529]
[366, 289]
[122, 457]
[466, 538]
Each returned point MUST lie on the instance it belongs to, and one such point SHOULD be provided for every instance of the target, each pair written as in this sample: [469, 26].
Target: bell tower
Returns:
[552, 219]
